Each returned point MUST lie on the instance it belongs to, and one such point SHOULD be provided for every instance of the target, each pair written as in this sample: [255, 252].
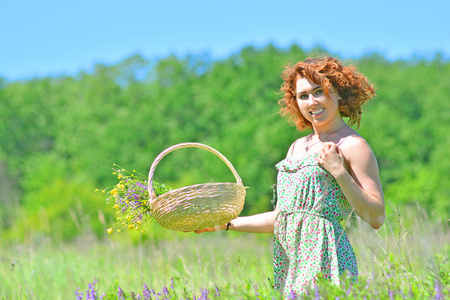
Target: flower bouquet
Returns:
[130, 197]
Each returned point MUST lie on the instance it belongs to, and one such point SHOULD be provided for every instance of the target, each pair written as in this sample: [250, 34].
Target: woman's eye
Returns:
[319, 92]
[303, 97]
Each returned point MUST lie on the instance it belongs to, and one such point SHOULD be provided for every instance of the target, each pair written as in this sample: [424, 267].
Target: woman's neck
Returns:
[322, 132]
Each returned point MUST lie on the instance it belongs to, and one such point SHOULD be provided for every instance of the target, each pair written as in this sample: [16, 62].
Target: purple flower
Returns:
[316, 292]
[91, 294]
[349, 290]
[78, 294]
[146, 293]
[204, 295]
[367, 283]
[165, 291]
[217, 291]
[292, 295]
[171, 279]
[438, 290]
[391, 293]
[120, 294]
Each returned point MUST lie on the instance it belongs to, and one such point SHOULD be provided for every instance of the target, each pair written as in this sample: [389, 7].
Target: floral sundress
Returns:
[308, 237]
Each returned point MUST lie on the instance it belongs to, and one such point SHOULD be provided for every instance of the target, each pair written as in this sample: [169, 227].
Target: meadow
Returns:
[408, 258]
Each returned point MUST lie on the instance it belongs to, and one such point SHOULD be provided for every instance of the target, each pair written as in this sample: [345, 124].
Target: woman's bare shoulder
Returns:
[355, 146]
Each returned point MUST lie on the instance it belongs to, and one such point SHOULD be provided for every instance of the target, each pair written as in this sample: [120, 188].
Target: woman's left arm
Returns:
[356, 170]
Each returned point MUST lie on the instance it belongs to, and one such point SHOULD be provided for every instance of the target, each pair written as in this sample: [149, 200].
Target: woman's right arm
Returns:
[260, 223]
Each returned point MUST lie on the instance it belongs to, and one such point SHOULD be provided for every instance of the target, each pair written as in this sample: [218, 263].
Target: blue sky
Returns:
[40, 38]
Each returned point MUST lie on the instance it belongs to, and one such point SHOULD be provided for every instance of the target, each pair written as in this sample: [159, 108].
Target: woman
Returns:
[325, 176]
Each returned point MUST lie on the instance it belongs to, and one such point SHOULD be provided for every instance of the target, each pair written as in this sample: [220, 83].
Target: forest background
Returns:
[61, 135]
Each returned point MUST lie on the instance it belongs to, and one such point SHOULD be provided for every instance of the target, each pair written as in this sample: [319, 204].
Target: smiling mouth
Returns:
[316, 113]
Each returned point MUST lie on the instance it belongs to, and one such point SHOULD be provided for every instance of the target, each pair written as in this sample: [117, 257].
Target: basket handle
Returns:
[187, 145]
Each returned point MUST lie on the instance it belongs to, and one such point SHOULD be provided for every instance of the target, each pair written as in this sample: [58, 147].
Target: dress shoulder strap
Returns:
[291, 149]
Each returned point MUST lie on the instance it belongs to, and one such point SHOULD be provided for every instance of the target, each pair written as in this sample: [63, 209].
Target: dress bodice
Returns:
[309, 187]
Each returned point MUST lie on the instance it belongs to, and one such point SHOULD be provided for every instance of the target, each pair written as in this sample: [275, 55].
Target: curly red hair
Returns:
[353, 88]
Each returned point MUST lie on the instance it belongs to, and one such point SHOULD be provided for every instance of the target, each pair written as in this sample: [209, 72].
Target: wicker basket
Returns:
[197, 206]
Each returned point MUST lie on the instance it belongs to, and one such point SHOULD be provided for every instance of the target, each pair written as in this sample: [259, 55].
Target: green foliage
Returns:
[55, 203]
[129, 112]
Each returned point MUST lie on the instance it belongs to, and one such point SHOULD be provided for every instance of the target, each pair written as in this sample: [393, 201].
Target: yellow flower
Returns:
[118, 230]
[110, 230]
[131, 226]
[103, 191]
[96, 190]
[143, 230]
[139, 222]
[119, 176]
[116, 206]
[137, 228]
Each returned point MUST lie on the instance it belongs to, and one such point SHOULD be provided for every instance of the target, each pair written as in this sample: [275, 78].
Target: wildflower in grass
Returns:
[292, 295]
[130, 198]
[78, 294]
[438, 291]
[171, 283]
[91, 294]
[165, 291]
[390, 293]
[146, 293]
[316, 292]
[120, 294]
[349, 290]
[204, 294]
[367, 283]
[217, 294]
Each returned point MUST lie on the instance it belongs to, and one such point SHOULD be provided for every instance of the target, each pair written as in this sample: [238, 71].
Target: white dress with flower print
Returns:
[308, 238]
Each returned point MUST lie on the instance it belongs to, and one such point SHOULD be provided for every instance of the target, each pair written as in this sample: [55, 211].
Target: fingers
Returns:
[328, 149]
[204, 230]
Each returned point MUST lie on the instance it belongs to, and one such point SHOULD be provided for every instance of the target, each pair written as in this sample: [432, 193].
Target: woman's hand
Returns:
[211, 229]
[331, 159]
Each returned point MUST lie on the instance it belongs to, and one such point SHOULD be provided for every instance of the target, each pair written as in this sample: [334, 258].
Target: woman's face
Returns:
[314, 104]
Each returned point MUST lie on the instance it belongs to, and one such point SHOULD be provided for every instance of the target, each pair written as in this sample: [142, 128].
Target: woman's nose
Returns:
[311, 99]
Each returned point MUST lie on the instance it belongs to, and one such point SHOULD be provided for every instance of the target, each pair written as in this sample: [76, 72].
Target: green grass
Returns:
[407, 257]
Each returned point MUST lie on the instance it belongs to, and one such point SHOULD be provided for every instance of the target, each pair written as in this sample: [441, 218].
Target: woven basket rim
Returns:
[230, 194]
